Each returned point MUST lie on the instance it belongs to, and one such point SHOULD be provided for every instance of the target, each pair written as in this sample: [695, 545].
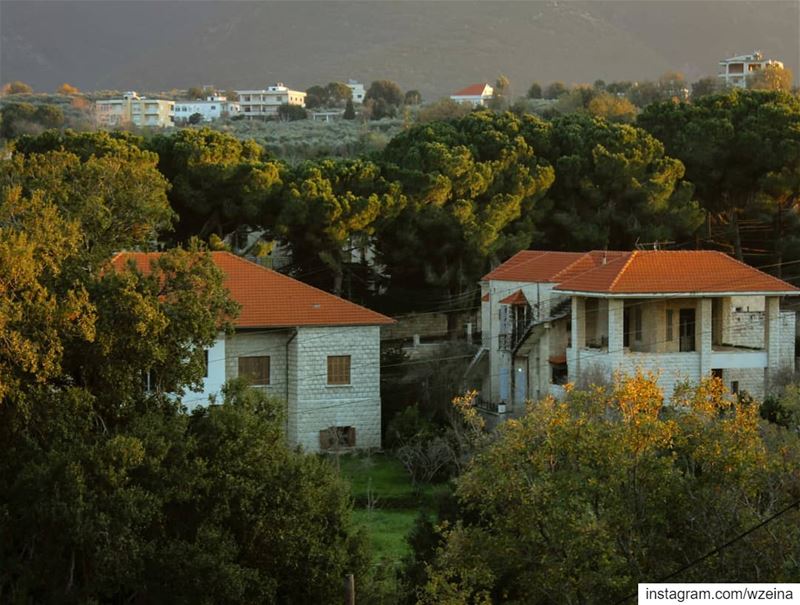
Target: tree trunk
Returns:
[733, 215]
[338, 279]
[779, 242]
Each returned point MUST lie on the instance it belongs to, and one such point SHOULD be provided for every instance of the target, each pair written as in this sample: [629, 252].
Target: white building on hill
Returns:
[734, 71]
[211, 108]
[265, 102]
[357, 88]
[477, 95]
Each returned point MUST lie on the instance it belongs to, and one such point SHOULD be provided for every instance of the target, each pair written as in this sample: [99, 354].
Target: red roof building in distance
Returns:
[271, 299]
[477, 95]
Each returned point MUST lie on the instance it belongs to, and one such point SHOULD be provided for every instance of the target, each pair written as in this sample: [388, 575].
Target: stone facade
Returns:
[745, 340]
[314, 405]
[298, 375]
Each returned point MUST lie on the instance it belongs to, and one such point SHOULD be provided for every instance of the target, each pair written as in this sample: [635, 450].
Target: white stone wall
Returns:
[672, 368]
[215, 376]
[258, 343]
[315, 405]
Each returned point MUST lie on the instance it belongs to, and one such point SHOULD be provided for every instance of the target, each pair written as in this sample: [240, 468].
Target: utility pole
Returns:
[349, 590]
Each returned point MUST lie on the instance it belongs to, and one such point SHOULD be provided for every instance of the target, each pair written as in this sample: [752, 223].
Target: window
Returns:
[336, 437]
[339, 369]
[255, 369]
[638, 324]
[670, 317]
[559, 373]
[735, 387]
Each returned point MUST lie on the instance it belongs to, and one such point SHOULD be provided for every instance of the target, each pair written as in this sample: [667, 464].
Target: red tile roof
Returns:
[534, 266]
[271, 299]
[518, 298]
[671, 271]
[485, 297]
[473, 90]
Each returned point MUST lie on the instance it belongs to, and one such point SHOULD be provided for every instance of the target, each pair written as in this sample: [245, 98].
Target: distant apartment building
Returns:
[136, 110]
[734, 71]
[357, 88]
[264, 103]
[212, 108]
[477, 95]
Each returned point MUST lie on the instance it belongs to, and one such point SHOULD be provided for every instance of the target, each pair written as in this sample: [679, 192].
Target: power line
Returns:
[711, 553]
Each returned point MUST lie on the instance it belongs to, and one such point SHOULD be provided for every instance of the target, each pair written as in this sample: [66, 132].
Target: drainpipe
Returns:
[288, 342]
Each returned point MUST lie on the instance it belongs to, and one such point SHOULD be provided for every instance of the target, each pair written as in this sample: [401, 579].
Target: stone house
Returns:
[555, 317]
[316, 351]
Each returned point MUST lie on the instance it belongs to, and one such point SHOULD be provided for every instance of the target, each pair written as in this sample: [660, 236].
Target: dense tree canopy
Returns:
[113, 493]
[467, 180]
[613, 186]
[732, 146]
[578, 501]
[219, 183]
[330, 209]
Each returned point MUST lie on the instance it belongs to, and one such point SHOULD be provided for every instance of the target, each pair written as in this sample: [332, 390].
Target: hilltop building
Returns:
[357, 88]
[136, 110]
[265, 102]
[477, 95]
[211, 108]
[734, 71]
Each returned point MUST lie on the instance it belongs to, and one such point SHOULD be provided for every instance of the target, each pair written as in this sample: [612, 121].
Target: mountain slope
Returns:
[433, 46]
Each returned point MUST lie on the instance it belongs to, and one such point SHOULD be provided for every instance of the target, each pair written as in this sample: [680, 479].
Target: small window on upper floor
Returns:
[339, 369]
[255, 369]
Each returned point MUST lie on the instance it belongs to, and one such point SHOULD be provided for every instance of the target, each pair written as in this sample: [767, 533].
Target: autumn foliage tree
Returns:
[113, 493]
[580, 500]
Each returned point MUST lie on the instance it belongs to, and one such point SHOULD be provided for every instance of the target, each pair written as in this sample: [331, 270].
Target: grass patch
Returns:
[387, 530]
[388, 481]
[382, 480]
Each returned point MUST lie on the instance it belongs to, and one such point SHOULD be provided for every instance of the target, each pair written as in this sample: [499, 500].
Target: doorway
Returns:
[686, 330]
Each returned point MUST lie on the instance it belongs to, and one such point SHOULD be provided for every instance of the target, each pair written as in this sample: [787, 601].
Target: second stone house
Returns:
[555, 317]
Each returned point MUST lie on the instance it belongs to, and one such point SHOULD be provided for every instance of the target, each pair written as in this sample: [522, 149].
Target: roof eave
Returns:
[600, 294]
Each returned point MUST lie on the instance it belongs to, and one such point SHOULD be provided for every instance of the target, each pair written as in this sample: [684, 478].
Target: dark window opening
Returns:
[336, 437]
[559, 373]
[255, 369]
[686, 330]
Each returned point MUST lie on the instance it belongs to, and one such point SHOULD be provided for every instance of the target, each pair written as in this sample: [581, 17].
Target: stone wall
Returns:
[315, 405]
[267, 342]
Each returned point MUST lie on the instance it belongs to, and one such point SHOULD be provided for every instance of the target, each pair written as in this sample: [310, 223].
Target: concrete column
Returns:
[616, 313]
[578, 336]
[772, 338]
[702, 338]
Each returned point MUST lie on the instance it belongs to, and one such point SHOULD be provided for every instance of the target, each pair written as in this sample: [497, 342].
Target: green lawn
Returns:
[386, 478]
[387, 529]
[380, 478]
